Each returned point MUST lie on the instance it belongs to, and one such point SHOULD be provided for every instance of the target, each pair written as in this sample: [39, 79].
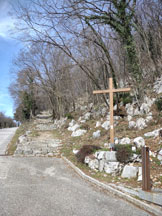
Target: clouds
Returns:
[6, 20]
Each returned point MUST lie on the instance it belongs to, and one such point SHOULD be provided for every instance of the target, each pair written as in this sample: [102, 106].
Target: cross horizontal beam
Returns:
[111, 90]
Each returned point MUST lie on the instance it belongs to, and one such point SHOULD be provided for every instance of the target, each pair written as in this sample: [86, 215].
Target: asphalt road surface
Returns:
[42, 186]
[6, 135]
[48, 187]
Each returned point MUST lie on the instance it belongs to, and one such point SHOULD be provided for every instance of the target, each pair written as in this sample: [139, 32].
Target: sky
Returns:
[9, 47]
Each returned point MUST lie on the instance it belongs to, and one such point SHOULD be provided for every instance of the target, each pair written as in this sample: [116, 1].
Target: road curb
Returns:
[151, 209]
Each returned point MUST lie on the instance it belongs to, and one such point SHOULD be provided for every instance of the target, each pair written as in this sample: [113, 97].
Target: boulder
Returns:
[139, 142]
[129, 118]
[100, 155]
[111, 167]
[149, 118]
[129, 172]
[149, 101]
[101, 165]
[87, 160]
[141, 124]
[98, 124]
[132, 124]
[154, 133]
[137, 112]
[74, 127]
[129, 109]
[77, 133]
[125, 140]
[106, 125]
[133, 148]
[87, 116]
[96, 134]
[72, 123]
[93, 164]
[145, 108]
[110, 156]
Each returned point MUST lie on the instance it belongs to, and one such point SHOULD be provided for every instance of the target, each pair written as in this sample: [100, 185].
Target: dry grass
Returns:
[13, 143]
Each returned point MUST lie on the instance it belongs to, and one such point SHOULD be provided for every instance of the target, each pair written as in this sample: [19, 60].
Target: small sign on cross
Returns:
[111, 90]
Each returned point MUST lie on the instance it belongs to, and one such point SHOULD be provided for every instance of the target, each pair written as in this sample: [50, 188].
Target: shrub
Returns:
[126, 98]
[69, 116]
[158, 104]
[123, 153]
[85, 151]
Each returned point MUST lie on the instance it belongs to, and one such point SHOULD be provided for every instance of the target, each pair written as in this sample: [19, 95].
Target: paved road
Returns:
[48, 187]
[6, 135]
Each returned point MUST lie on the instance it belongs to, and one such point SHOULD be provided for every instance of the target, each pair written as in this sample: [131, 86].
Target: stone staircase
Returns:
[44, 145]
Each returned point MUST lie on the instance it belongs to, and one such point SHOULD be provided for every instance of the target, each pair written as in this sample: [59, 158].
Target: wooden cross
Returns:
[111, 90]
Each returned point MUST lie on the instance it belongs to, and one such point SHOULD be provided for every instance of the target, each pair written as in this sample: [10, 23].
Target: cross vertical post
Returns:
[110, 91]
[111, 111]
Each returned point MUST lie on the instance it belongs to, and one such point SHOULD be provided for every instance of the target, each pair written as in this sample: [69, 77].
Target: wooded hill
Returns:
[72, 47]
[6, 122]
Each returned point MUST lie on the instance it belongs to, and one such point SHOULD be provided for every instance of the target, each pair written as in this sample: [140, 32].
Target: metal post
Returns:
[146, 184]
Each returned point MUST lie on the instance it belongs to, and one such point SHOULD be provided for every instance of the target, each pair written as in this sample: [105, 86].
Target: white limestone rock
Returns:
[75, 151]
[139, 174]
[129, 118]
[115, 107]
[149, 101]
[98, 124]
[141, 124]
[101, 165]
[149, 118]
[106, 125]
[78, 132]
[158, 85]
[93, 164]
[116, 141]
[71, 124]
[137, 112]
[100, 155]
[110, 156]
[74, 127]
[152, 154]
[129, 109]
[87, 160]
[125, 140]
[129, 172]
[159, 157]
[117, 118]
[87, 116]
[132, 124]
[111, 167]
[96, 134]
[154, 133]
[133, 148]
[83, 121]
[22, 139]
[145, 108]
[139, 142]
